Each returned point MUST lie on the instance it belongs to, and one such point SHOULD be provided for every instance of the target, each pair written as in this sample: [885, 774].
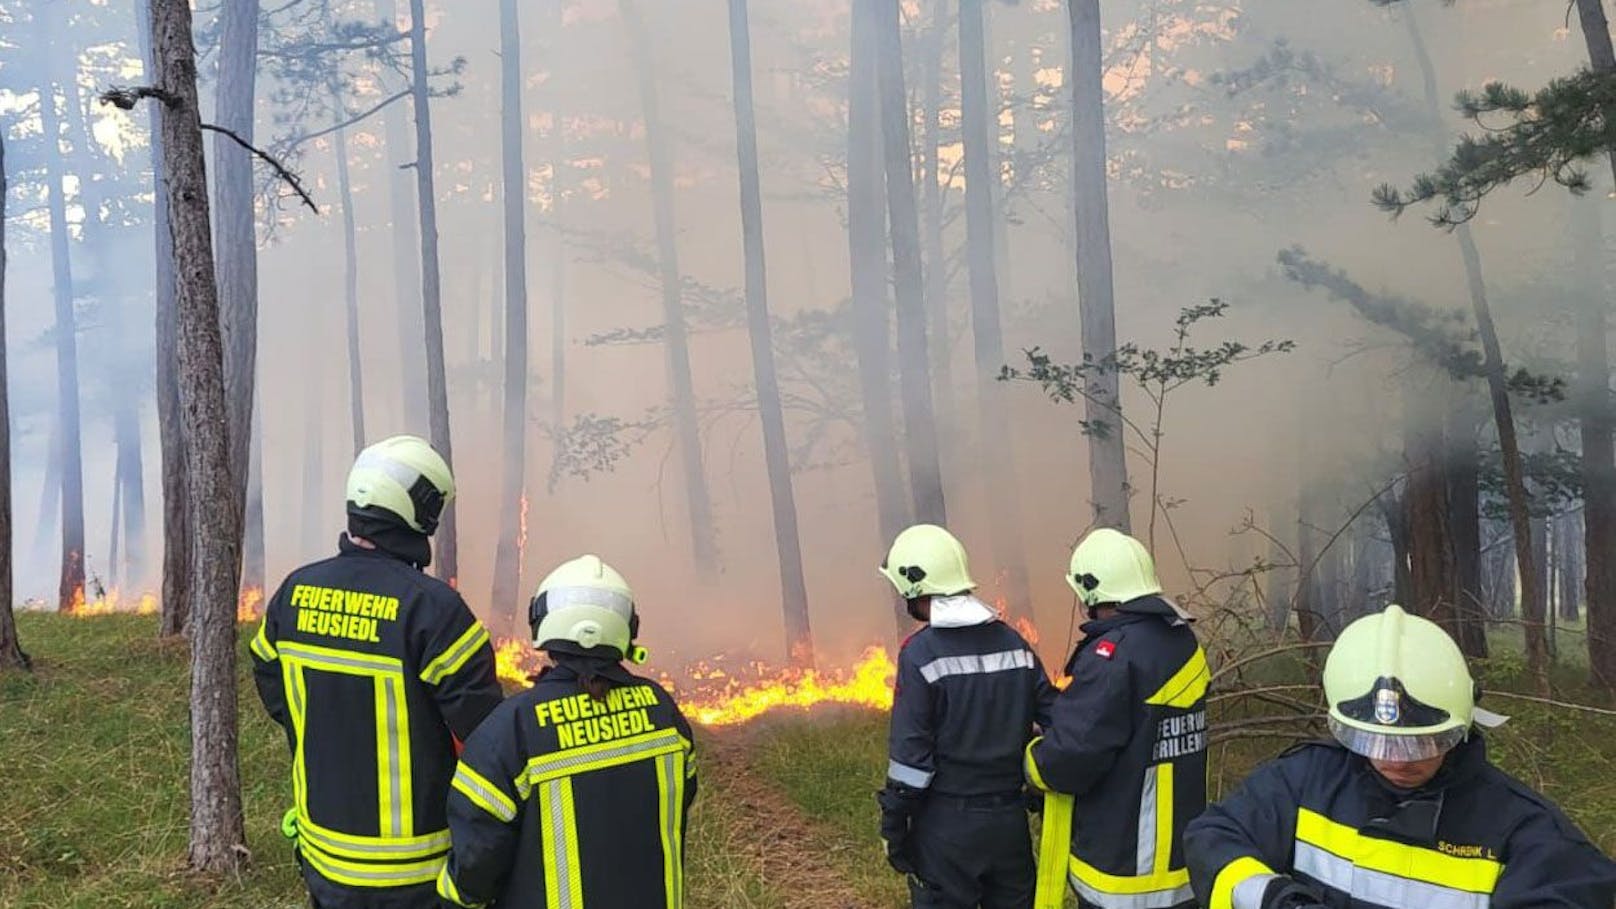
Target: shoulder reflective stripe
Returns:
[349, 845]
[1240, 884]
[455, 655]
[1030, 766]
[333, 660]
[1379, 887]
[606, 754]
[1109, 891]
[1187, 685]
[482, 793]
[370, 874]
[913, 777]
[563, 885]
[450, 892]
[261, 647]
[1473, 875]
[670, 812]
[976, 664]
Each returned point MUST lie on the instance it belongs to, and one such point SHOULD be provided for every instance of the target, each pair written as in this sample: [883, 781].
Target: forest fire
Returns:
[114, 602]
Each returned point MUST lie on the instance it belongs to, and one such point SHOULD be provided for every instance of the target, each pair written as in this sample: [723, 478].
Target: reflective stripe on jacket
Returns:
[370, 666]
[564, 802]
[1473, 838]
[1128, 740]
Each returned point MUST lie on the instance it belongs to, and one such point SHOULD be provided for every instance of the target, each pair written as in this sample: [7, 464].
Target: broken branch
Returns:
[286, 175]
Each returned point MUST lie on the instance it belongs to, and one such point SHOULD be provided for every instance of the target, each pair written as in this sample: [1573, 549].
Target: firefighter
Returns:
[375, 670]
[1127, 739]
[1403, 808]
[969, 691]
[575, 792]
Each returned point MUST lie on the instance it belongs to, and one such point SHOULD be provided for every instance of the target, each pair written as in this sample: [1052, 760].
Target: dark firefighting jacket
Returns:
[370, 666]
[1128, 740]
[564, 802]
[964, 705]
[1472, 838]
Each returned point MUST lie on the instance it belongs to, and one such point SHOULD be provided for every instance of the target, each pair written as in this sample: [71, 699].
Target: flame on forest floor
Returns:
[115, 602]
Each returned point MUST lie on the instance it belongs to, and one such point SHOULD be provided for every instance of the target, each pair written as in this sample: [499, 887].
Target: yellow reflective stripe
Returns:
[374, 848]
[406, 772]
[1164, 819]
[370, 874]
[1187, 685]
[1234, 874]
[450, 892]
[1112, 883]
[261, 647]
[1030, 767]
[455, 655]
[1473, 875]
[1054, 844]
[601, 756]
[563, 882]
[482, 793]
[334, 660]
[296, 698]
[670, 810]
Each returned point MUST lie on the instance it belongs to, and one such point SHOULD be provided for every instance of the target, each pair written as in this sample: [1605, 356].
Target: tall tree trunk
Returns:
[448, 562]
[115, 527]
[235, 236]
[1572, 579]
[175, 595]
[939, 344]
[218, 838]
[555, 24]
[508, 554]
[11, 652]
[703, 541]
[1433, 575]
[252, 536]
[50, 498]
[70, 592]
[406, 258]
[316, 510]
[350, 278]
[1395, 513]
[131, 485]
[1108, 466]
[914, 385]
[776, 453]
[993, 406]
[866, 241]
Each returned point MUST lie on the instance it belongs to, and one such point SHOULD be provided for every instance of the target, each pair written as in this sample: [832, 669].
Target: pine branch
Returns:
[286, 175]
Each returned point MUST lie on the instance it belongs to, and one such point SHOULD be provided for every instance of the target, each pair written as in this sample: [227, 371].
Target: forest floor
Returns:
[93, 767]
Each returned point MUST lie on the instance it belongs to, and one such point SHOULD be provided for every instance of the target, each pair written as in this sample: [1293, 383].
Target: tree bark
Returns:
[11, 652]
[447, 556]
[776, 454]
[1108, 466]
[350, 281]
[1598, 426]
[939, 345]
[312, 492]
[218, 838]
[508, 554]
[703, 541]
[993, 406]
[558, 245]
[1572, 578]
[175, 595]
[406, 258]
[252, 536]
[1433, 575]
[914, 379]
[1464, 526]
[70, 591]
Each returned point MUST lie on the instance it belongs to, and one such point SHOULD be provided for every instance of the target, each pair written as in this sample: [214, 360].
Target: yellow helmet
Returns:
[587, 603]
[1109, 566]
[926, 560]
[404, 476]
[1399, 689]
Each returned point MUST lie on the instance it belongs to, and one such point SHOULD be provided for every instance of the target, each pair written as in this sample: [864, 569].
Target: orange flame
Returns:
[515, 661]
[249, 606]
[1027, 629]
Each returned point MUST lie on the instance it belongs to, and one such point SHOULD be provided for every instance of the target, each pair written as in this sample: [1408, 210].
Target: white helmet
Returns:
[1109, 566]
[587, 603]
[404, 476]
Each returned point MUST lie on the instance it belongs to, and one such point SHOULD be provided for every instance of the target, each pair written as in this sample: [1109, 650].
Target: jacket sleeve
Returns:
[1241, 844]
[911, 739]
[1551, 865]
[485, 814]
[267, 666]
[1090, 724]
[457, 664]
[683, 725]
[1045, 693]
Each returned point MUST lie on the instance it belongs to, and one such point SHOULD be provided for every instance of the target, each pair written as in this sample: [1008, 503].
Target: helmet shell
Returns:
[926, 560]
[1109, 566]
[1398, 687]
[587, 603]
[399, 474]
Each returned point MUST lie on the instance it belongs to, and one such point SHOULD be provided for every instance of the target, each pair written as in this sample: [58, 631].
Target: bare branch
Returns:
[299, 140]
[286, 175]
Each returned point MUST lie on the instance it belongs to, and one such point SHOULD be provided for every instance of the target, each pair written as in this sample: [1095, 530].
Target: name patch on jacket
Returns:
[350, 614]
[581, 720]
[1177, 736]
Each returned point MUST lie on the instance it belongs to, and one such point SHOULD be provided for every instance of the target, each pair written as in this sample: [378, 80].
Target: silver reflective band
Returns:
[561, 597]
[1145, 863]
[395, 768]
[402, 474]
[323, 658]
[976, 664]
[912, 777]
[1156, 899]
[1381, 888]
[1248, 893]
[498, 803]
[542, 768]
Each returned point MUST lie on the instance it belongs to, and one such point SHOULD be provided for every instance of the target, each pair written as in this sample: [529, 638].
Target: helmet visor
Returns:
[558, 598]
[1403, 747]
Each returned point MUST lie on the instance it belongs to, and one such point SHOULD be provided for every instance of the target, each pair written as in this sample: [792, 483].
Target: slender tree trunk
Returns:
[1108, 467]
[939, 345]
[115, 526]
[1598, 425]
[11, 652]
[406, 257]
[448, 562]
[70, 592]
[1572, 578]
[1432, 573]
[252, 539]
[50, 498]
[507, 554]
[703, 541]
[218, 839]
[350, 278]
[776, 453]
[316, 510]
[919, 422]
[555, 24]
[993, 406]
[1395, 512]
[1464, 529]
[131, 485]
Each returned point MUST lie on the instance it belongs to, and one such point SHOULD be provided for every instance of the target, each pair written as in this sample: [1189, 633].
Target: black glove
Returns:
[898, 804]
[1288, 893]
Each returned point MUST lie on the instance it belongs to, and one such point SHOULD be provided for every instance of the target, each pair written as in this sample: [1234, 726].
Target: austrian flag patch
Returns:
[1105, 649]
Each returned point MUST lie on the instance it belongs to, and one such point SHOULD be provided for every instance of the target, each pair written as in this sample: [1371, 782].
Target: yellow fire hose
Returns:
[1054, 844]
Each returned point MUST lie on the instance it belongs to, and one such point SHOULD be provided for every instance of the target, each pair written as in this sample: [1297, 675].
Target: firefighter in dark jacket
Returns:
[1403, 810]
[374, 669]
[969, 691]
[1128, 736]
[575, 792]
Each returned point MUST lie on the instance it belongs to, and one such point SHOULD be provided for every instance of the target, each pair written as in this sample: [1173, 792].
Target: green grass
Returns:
[94, 749]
